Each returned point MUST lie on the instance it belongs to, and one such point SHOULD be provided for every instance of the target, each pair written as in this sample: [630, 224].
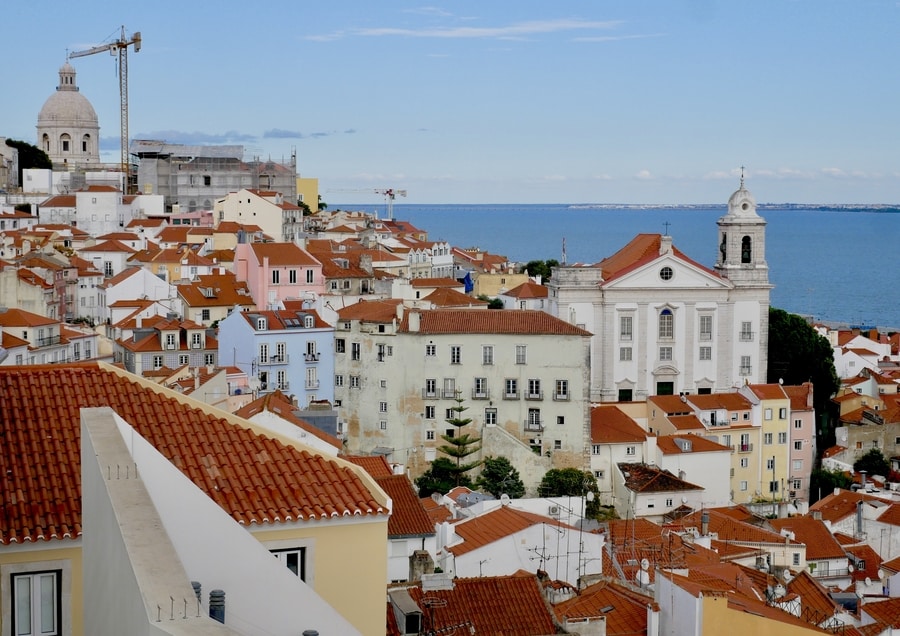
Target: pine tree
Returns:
[460, 445]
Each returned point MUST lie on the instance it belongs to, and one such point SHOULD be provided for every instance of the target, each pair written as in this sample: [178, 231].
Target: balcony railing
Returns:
[47, 341]
[284, 386]
[534, 395]
[275, 360]
[561, 397]
[830, 573]
[448, 394]
[311, 357]
[746, 336]
[534, 425]
[511, 395]
[745, 370]
[743, 448]
[481, 394]
[431, 394]
[312, 384]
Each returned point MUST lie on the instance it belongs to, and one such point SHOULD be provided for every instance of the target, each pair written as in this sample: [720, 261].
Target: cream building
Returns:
[522, 375]
[665, 324]
[67, 128]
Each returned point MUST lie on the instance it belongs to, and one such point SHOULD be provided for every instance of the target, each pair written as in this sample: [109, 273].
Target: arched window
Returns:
[745, 249]
[192, 206]
[86, 144]
[45, 142]
[666, 324]
[64, 142]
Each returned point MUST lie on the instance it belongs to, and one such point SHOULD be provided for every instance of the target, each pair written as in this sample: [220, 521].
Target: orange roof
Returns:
[215, 290]
[642, 249]
[768, 391]
[282, 254]
[839, 506]
[371, 310]
[730, 529]
[886, 612]
[477, 532]
[646, 478]
[375, 465]
[59, 201]
[820, 544]
[629, 617]
[109, 246]
[730, 401]
[281, 406]
[408, 516]
[526, 290]
[254, 478]
[507, 321]
[686, 422]
[14, 317]
[668, 446]
[446, 297]
[891, 516]
[435, 282]
[611, 425]
[504, 605]
[9, 341]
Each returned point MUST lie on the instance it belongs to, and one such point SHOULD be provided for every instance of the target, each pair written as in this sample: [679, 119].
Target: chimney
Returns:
[704, 523]
[859, 519]
[217, 605]
[665, 244]
[817, 514]
[414, 317]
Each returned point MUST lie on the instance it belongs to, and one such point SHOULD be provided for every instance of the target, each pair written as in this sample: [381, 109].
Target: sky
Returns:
[518, 101]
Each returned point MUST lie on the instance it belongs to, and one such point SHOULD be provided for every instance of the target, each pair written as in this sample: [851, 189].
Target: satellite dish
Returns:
[504, 499]
[868, 581]
[684, 500]
[590, 495]
[642, 577]
[850, 568]
[645, 565]
[880, 574]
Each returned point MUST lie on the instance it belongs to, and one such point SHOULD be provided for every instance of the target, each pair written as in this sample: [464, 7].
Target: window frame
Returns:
[33, 576]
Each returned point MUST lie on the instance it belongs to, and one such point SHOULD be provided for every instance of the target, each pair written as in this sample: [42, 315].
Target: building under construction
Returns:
[192, 178]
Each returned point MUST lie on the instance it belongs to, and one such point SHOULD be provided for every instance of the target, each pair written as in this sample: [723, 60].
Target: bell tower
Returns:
[742, 242]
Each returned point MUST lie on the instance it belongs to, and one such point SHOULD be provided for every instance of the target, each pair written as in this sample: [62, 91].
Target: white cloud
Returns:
[516, 30]
[644, 174]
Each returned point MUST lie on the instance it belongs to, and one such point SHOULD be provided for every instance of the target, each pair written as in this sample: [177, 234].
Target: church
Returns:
[67, 127]
[663, 323]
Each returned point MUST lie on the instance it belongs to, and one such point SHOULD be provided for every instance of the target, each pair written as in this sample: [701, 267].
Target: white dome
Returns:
[742, 203]
[67, 126]
[67, 106]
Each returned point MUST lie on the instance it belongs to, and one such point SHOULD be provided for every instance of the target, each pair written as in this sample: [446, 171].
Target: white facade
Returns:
[141, 284]
[665, 324]
[67, 127]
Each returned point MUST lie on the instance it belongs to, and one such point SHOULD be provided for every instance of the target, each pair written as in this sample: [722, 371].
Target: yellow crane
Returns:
[120, 48]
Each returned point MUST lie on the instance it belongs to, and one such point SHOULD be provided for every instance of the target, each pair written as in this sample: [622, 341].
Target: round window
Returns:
[745, 206]
[666, 273]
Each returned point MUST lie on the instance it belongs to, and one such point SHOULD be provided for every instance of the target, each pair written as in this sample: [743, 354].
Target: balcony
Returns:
[511, 395]
[311, 357]
[534, 395]
[312, 384]
[745, 371]
[481, 394]
[561, 397]
[429, 394]
[829, 573]
[746, 336]
[742, 448]
[449, 394]
[273, 360]
[534, 425]
[47, 341]
[283, 386]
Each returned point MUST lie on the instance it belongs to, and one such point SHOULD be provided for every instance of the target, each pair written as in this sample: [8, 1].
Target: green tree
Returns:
[322, 204]
[460, 445]
[542, 268]
[29, 156]
[798, 354]
[822, 483]
[873, 462]
[441, 477]
[571, 482]
[499, 477]
[493, 303]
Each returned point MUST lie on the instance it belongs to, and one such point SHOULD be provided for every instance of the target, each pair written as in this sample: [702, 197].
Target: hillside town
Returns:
[200, 359]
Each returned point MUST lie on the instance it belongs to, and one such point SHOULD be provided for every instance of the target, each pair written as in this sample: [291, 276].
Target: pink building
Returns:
[802, 439]
[276, 272]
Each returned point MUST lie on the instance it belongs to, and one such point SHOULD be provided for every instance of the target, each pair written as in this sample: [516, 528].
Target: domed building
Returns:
[67, 127]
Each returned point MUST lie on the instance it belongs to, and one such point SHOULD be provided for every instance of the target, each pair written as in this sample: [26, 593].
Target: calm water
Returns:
[835, 265]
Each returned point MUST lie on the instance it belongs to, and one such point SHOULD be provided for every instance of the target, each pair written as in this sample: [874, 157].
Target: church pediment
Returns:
[668, 271]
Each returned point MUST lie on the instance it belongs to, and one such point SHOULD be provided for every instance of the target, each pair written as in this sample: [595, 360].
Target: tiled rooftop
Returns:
[254, 478]
[408, 516]
[509, 321]
[627, 616]
[820, 544]
[645, 478]
[477, 532]
[611, 425]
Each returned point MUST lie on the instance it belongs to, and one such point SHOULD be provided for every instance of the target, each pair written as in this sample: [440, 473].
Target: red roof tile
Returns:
[477, 532]
[629, 617]
[507, 321]
[820, 544]
[408, 516]
[376, 465]
[254, 478]
[283, 254]
[526, 290]
[886, 612]
[611, 425]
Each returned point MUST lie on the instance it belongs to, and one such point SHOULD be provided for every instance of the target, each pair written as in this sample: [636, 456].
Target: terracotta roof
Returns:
[371, 310]
[527, 290]
[886, 612]
[507, 606]
[446, 297]
[507, 321]
[376, 465]
[437, 512]
[277, 319]
[840, 506]
[730, 529]
[109, 246]
[254, 478]
[282, 254]
[9, 341]
[627, 618]
[866, 557]
[125, 274]
[820, 544]
[408, 516]
[642, 249]
[671, 404]
[611, 425]
[59, 201]
[277, 403]
[893, 565]
[686, 423]
[668, 445]
[645, 478]
[477, 532]
[730, 401]
[215, 290]
[768, 391]
[813, 595]
[14, 317]
[435, 282]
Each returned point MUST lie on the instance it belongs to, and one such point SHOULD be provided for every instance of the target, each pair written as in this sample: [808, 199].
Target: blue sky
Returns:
[631, 101]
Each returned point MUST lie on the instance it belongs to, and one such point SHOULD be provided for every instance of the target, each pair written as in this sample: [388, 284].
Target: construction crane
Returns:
[389, 195]
[120, 47]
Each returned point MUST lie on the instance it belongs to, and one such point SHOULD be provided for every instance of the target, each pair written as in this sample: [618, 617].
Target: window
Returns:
[157, 362]
[340, 345]
[429, 412]
[798, 483]
[487, 354]
[798, 445]
[773, 486]
[557, 444]
[666, 324]
[262, 324]
[480, 390]
[354, 350]
[534, 422]
[770, 463]
[281, 380]
[209, 358]
[706, 353]
[768, 414]
[382, 407]
[745, 249]
[292, 276]
[562, 390]
[767, 438]
[743, 486]
[746, 331]
[745, 367]
[263, 353]
[490, 417]
[310, 276]
[625, 395]
[429, 435]
[796, 558]
[170, 341]
[596, 449]
[782, 438]
[204, 314]
[511, 386]
[294, 559]
[520, 354]
[338, 381]
[745, 462]
[782, 413]
[560, 420]
[706, 327]
[430, 350]
[196, 340]
[36, 603]
[665, 353]
[630, 450]
[276, 276]
[624, 354]
[534, 389]
[726, 440]
[450, 414]
[354, 381]
[449, 388]
[798, 423]
[455, 354]
[598, 474]
[669, 503]
[626, 324]
[666, 273]
[183, 359]
[430, 387]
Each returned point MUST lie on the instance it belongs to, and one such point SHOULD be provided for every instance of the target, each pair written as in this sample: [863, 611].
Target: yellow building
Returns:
[308, 193]
[324, 518]
[771, 407]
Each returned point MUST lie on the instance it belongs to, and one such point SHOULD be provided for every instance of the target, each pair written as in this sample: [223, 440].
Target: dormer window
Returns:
[261, 324]
[309, 322]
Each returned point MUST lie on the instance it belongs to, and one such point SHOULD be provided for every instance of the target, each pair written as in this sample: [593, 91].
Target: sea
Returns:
[836, 264]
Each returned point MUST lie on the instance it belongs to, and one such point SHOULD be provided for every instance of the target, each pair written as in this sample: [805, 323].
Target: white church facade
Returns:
[665, 324]
[67, 127]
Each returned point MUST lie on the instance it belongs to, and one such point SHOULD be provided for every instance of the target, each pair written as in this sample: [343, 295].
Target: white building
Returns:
[67, 128]
[665, 324]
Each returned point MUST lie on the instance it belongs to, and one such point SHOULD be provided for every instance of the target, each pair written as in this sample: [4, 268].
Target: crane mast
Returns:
[389, 195]
[120, 48]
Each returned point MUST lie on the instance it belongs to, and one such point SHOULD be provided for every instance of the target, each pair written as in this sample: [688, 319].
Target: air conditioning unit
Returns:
[554, 511]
